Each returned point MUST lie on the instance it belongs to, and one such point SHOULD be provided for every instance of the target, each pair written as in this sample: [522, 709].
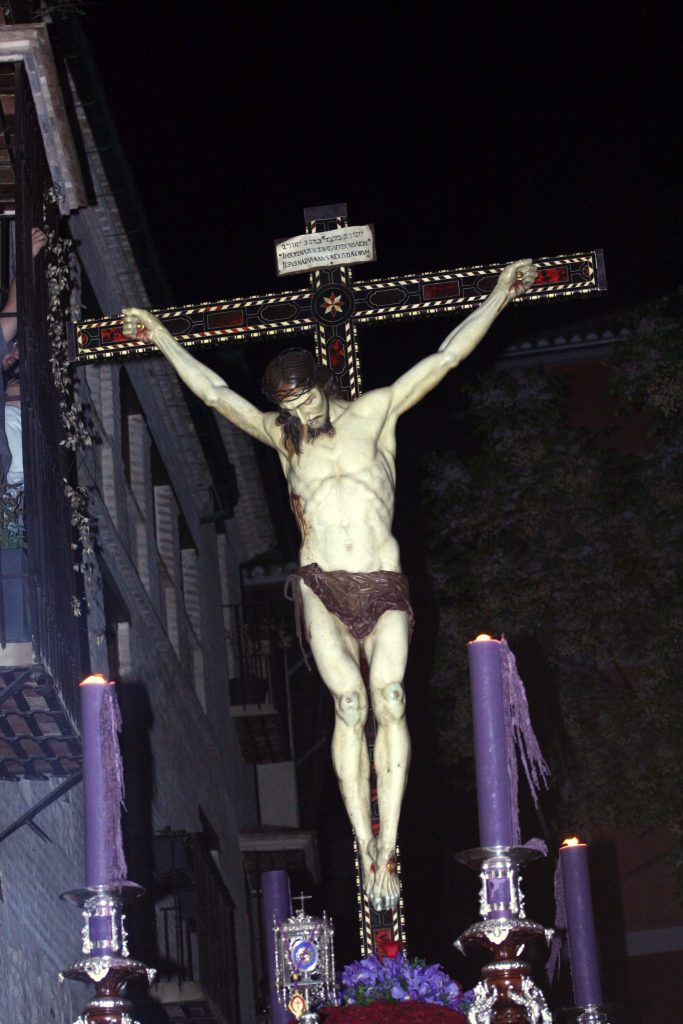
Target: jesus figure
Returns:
[338, 458]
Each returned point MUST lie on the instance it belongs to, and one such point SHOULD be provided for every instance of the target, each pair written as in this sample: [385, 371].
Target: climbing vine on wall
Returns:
[75, 431]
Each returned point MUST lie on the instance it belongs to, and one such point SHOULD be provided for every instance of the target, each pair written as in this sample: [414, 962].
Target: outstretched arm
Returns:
[425, 375]
[204, 382]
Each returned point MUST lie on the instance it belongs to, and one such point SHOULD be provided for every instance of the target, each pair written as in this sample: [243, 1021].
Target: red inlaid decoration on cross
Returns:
[226, 318]
[335, 350]
[552, 275]
[111, 334]
[441, 290]
[381, 940]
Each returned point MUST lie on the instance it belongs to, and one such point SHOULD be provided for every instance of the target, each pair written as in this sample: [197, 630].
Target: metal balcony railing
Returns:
[196, 928]
[258, 638]
[42, 649]
[255, 653]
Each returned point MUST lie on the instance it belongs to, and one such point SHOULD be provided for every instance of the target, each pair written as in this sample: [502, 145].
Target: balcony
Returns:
[280, 706]
[41, 656]
[258, 641]
[197, 977]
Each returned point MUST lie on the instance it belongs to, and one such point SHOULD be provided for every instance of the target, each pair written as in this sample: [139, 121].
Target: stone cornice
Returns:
[567, 347]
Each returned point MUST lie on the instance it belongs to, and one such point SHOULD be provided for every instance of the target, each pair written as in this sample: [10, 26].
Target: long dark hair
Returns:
[289, 375]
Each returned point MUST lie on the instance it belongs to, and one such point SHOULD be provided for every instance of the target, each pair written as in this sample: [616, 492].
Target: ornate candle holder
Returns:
[304, 963]
[506, 993]
[594, 1013]
[106, 961]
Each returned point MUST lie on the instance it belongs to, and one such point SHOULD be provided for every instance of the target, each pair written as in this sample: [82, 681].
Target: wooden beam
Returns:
[30, 45]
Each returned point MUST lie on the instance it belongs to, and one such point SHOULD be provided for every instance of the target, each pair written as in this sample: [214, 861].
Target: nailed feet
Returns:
[381, 881]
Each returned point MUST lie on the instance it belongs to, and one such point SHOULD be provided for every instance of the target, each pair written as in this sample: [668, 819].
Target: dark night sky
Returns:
[463, 143]
[490, 132]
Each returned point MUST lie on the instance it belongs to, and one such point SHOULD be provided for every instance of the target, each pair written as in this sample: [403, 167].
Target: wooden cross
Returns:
[332, 309]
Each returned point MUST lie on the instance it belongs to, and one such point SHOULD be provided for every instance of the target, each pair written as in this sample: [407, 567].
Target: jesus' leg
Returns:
[387, 652]
[337, 660]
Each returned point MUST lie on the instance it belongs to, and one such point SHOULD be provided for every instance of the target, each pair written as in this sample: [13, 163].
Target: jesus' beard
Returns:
[294, 432]
[310, 433]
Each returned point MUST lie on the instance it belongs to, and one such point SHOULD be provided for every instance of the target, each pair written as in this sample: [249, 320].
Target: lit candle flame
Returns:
[572, 841]
[96, 680]
[484, 636]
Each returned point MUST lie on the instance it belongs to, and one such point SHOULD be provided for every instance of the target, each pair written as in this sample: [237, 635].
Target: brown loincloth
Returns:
[358, 599]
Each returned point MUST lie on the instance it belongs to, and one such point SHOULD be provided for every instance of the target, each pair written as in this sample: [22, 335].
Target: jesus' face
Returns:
[312, 409]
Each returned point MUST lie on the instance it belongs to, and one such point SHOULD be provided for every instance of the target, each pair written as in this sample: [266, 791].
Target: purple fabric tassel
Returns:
[112, 767]
[521, 740]
[552, 967]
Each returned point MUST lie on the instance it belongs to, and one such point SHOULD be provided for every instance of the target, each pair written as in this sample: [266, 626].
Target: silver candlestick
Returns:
[593, 1013]
[506, 993]
[106, 960]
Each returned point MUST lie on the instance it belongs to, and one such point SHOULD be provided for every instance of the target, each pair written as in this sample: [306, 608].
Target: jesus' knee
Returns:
[389, 703]
[352, 708]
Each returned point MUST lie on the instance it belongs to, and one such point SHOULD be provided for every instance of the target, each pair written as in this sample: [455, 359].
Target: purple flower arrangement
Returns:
[397, 979]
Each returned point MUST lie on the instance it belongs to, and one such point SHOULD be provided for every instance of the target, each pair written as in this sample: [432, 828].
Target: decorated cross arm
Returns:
[332, 309]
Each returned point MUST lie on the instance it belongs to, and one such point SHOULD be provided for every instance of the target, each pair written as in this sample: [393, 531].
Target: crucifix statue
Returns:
[337, 451]
[338, 458]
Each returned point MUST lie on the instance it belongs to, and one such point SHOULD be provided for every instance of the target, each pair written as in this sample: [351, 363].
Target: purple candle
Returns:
[490, 743]
[276, 906]
[102, 782]
[583, 951]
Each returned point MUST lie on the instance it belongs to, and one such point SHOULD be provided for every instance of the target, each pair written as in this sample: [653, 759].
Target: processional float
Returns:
[332, 309]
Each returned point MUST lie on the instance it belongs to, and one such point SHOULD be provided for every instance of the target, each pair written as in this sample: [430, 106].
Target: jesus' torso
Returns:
[342, 487]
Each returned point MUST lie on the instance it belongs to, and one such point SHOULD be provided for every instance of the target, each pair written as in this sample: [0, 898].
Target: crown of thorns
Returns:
[292, 373]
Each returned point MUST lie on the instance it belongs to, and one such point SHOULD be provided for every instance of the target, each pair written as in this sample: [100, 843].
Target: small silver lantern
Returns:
[304, 962]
